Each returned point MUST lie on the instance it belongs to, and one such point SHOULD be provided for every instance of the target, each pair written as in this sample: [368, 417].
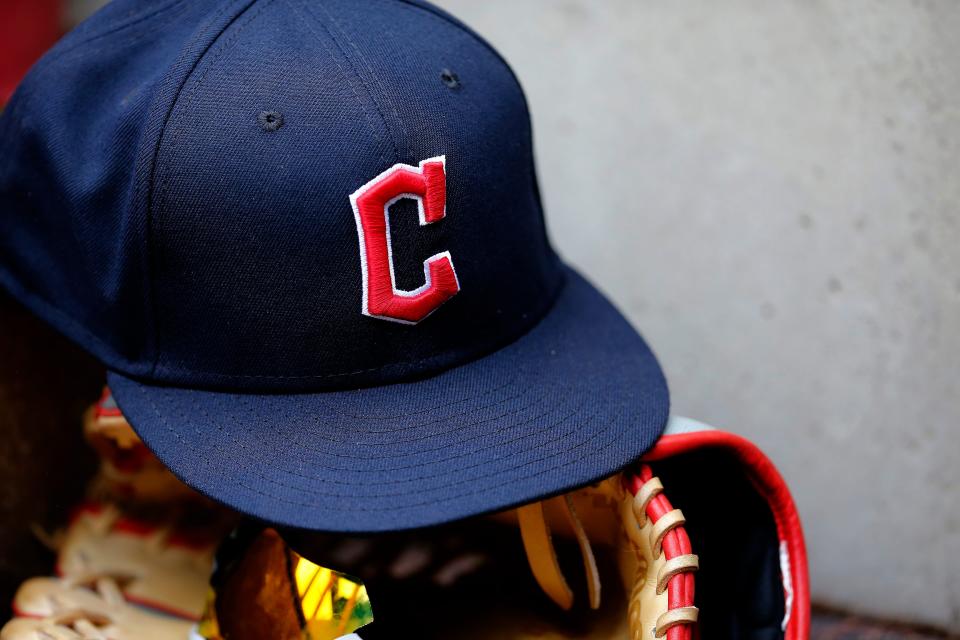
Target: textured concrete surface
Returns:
[770, 191]
[830, 625]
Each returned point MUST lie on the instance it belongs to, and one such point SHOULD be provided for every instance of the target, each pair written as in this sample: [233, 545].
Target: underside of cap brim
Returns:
[576, 399]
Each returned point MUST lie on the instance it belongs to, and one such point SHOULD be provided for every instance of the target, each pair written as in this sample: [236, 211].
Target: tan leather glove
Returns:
[735, 535]
[64, 609]
[153, 565]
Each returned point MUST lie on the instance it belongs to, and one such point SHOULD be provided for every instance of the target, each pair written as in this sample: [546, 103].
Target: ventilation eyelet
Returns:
[450, 79]
[270, 120]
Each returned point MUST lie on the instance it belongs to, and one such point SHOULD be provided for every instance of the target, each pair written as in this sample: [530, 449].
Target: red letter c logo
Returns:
[371, 207]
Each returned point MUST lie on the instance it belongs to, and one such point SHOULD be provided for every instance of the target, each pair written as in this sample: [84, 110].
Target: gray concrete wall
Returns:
[770, 191]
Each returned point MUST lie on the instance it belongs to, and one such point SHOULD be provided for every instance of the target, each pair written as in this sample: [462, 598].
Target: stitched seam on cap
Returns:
[330, 28]
[583, 422]
[374, 80]
[516, 430]
[608, 426]
[55, 55]
[61, 321]
[25, 90]
[461, 439]
[153, 255]
[13, 116]
[323, 41]
[443, 499]
[450, 21]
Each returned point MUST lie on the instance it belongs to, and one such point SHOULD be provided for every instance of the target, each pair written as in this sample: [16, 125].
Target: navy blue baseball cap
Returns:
[306, 240]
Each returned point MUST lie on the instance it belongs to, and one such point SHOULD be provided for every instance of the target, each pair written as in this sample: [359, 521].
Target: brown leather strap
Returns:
[541, 554]
[589, 562]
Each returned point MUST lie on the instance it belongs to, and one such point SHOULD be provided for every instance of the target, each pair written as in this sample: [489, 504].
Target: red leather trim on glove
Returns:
[772, 487]
[680, 588]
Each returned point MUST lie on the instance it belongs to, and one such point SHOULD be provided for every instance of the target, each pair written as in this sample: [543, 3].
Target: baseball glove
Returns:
[728, 562]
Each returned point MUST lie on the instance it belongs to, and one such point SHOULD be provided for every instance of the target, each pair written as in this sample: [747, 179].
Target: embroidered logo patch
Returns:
[427, 184]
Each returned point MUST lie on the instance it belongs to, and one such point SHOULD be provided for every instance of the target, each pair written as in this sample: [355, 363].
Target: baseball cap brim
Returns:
[574, 400]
